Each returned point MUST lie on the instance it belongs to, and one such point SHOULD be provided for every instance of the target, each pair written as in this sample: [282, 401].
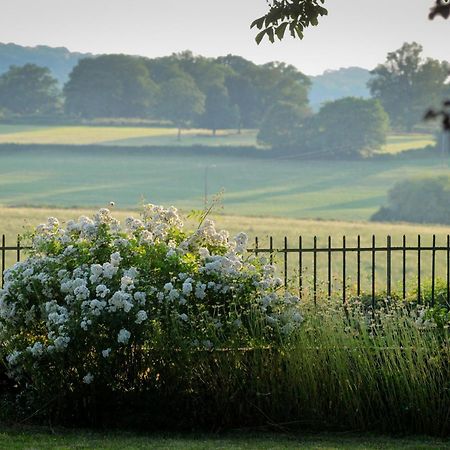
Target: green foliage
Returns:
[29, 90]
[406, 84]
[281, 126]
[181, 101]
[420, 200]
[110, 86]
[292, 15]
[350, 126]
[344, 128]
[219, 111]
[100, 307]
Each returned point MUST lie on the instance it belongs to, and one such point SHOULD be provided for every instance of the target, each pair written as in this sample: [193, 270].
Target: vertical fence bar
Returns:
[404, 267]
[418, 269]
[344, 270]
[433, 269]
[285, 262]
[315, 269]
[358, 267]
[448, 268]
[3, 257]
[300, 267]
[373, 271]
[256, 246]
[388, 265]
[271, 249]
[18, 248]
[329, 267]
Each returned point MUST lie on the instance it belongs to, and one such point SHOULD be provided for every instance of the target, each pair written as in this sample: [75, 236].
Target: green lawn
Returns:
[27, 438]
[295, 188]
[145, 136]
[397, 143]
[126, 136]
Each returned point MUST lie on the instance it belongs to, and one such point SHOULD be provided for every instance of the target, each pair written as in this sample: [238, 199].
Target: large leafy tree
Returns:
[29, 89]
[349, 126]
[110, 86]
[219, 111]
[181, 101]
[282, 125]
[406, 82]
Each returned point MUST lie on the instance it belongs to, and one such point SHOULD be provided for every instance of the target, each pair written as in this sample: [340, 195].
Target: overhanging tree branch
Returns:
[292, 15]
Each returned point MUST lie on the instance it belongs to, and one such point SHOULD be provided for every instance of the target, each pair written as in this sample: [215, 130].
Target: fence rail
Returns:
[337, 276]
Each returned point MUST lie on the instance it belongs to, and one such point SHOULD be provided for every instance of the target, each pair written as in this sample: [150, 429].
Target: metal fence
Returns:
[337, 269]
[337, 277]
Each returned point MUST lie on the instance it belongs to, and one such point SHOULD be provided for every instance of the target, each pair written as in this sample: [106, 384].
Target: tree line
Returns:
[232, 92]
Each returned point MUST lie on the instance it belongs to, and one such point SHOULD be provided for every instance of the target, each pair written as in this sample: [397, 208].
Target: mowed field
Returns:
[126, 136]
[293, 187]
[15, 221]
[147, 136]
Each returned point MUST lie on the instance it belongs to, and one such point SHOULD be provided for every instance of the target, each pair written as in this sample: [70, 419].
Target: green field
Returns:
[296, 188]
[147, 136]
[126, 136]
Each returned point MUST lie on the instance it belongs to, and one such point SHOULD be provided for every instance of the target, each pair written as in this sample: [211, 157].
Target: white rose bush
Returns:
[104, 305]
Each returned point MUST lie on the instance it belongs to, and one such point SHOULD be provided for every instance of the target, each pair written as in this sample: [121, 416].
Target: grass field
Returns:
[26, 438]
[127, 136]
[296, 188]
[397, 143]
[143, 136]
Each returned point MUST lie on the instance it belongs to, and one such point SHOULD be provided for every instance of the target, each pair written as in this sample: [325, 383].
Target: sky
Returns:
[355, 33]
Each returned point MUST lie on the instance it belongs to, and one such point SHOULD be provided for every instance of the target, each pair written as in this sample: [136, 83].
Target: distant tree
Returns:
[406, 82]
[110, 86]
[219, 111]
[280, 128]
[348, 126]
[181, 101]
[29, 89]
[421, 200]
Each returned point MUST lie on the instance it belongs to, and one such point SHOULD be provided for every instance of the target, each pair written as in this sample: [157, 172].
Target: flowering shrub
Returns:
[95, 299]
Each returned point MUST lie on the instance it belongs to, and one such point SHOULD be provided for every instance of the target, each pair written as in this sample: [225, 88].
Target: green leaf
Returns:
[260, 36]
[281, 30]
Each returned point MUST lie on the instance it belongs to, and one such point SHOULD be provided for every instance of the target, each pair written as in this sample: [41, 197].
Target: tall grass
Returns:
[345, 369]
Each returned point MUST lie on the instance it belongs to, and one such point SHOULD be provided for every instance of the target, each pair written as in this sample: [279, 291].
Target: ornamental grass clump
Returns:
[100, 310]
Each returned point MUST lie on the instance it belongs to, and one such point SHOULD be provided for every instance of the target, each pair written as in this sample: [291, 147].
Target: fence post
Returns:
[344, 270]
[315, 269]
[358, 267]
[418, 268]
[388, 265]
[285, 263]
[329, 267]
[300, 267]
[3, 257]
[404, 267]
[433, 269]
[373, 272]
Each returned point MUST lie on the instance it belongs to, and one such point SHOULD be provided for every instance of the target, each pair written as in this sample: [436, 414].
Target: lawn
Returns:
[397, 143]
[148, 136]
[127, 136]
[27, 438]
[295, 188]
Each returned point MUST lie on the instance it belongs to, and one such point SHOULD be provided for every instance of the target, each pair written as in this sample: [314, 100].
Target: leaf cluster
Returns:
[292, 15]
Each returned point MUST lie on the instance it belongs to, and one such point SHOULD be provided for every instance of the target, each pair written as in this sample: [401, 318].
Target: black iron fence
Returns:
[340, 269]
[331, 269]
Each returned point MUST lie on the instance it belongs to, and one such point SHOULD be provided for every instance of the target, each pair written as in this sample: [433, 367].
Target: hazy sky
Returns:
[356, 32]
